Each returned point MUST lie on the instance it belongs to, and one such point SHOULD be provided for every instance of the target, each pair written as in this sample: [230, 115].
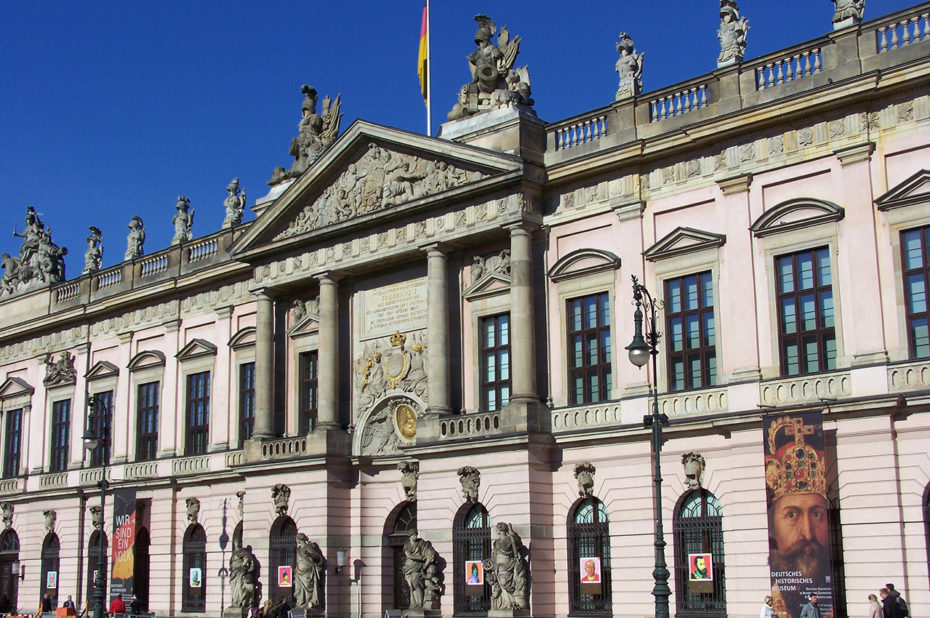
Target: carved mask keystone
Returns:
[280, 494]
[584, 472]
[694, 469]
[470, 478]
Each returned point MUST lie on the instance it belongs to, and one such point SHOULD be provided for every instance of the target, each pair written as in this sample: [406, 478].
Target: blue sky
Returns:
[109, 110]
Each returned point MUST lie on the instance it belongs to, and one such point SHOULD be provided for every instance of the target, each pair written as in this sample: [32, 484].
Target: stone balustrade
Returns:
[109, 278]
[902, 31]
[688, 403]
[909, 376]
[198, 464]
[153, 265]
[202, 250]
[55, 480]
[284, 448]
[67, 291]
[140, 470]
[678, 102]
[583, 131]
[93, 476]
[789, 68]
[805, 389]
[11, 486]
[583, 417]
[469, 425]
[235, 458]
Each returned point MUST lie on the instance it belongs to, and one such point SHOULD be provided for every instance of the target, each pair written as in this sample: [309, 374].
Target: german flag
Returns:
[423, 58]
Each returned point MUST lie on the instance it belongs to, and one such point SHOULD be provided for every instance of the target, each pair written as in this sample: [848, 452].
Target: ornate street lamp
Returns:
[640, 349]
[98, 416]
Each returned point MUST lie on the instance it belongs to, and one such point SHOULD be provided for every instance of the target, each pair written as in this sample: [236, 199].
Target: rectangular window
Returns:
[147, 421]
[494, 352]
[690, 328]
[198, 414]
[246, 401]
[806, 333]
[11, 449]
[61, 430]
[103, 417]
[589, 373]
[309, 393]
[915, 247]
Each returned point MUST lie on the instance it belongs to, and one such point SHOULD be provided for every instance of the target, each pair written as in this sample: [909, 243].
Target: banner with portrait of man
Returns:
[798, 512]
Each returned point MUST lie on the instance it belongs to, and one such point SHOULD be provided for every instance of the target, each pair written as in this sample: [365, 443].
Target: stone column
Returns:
[437, 329]
[328, 377]
[264, 367]
[522, 335]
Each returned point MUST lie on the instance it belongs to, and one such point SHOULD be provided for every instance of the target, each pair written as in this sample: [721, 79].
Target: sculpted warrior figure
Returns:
[629, 67]
[234, 204]
[494, 80]
[848, 8]
[243, 576]
[419, 556]
[508, 584]
[40, 260]
[308, 573]
[135, 239]
[93, 257]
[183, 221]
[315, 133]
[732, 34]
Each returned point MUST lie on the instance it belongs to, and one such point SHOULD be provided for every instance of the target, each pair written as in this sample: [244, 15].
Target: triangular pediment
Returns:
[490, 285]
[146, 359]
[15, 387]
[102, 369]
[583, 262]
[683, 240]
[914, 190]
[196, 348]
[371, 173]
[796, 214]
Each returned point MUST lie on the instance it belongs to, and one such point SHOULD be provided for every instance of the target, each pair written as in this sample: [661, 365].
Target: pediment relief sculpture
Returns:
[490, 274]
[303, 309]
[392, 424]
[391, 364]
[379, 179]
[59, 371]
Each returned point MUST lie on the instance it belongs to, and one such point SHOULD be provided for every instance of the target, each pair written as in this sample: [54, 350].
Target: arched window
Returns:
[50, 551]
[194, 598]
[397, 528]
[471, 540]
[589, 559]
[140, 567]
[93, 553]
[699, 532]
[9, 553]
[282, 549]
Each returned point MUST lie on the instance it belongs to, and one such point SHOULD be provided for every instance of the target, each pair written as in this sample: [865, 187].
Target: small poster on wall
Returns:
[51, 580]
[196, 577]
[474, 573]
[700, 573]
[285, 577]
[590, 574]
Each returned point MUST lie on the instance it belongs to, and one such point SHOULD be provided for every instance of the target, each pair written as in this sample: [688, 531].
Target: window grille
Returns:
[698, 527]
[50, 562]
[282, 550]
[405, 522]
[471, 540]
[93, 552]
[194, 598]
[588, 538]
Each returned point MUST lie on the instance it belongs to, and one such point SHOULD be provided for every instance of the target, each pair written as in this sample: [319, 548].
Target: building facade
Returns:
[428, 334]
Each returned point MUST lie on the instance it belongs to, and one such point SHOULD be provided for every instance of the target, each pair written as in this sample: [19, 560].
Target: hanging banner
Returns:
[798, 512]
[124, 535]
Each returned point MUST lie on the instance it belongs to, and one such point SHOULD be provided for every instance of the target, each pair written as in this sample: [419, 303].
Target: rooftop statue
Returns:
[315, 133]
[40, 262]
[629, 68]
[732, 34]
[183, 221]
[853, 10]
[135, 239]
[494, 82]
[234, 203]
[93, 257]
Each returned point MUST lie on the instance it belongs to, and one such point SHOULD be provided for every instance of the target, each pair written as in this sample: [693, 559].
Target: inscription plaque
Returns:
[396, 307]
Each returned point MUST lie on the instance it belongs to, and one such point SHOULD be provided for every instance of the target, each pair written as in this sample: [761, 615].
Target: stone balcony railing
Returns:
[469, 425]
[874, 46]
[284, 448]
[910, 376]
[54, 480]
[140, 470]
[11, 486]
[805, 389]
[197, 464]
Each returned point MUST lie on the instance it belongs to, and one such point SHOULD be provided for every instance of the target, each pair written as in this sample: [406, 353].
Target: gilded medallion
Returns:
[406, 420]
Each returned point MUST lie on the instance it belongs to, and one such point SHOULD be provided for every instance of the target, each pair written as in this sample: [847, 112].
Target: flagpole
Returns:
[429, 81]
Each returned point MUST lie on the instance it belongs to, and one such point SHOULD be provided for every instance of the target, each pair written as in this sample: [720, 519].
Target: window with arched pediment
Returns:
[397, 529]
[194, 598]
[51, 549]
[9, 553]
[700, 583]
[589, 559]
[282, 551]
[471, 542]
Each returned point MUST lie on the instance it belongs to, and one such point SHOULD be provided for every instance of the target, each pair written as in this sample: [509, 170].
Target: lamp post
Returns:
[98, 416]
[640, 349]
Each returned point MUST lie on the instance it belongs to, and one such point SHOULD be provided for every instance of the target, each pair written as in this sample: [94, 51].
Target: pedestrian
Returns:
[875, 608]
[811, 610]
[46, 605]
[69, 603]
[135, 607]
[898, 599]
[890, 608]
[117, 606]
[767, 611]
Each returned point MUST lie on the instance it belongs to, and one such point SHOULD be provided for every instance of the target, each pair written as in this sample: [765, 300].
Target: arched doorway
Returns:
[9, 553]
[471, 540]
[194, 598]
[93, 552]
[400, 523]
[282, 550]
[51, 549]
[698, 526]
[140, 568]
[589, 544]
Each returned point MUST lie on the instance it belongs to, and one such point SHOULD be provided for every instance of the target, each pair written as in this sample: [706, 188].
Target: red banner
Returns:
[124, 536]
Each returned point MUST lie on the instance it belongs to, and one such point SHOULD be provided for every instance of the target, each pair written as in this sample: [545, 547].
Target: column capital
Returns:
[434, 248]
[332, 276]
[526, 226]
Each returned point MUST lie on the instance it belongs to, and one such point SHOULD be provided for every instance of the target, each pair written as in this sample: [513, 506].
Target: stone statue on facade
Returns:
[584, 473]
[93, 257]
[183, 220]
[6, 514]
[506, 570]
[308, 573]
[96, 517]
[135, 239]
[234, 204]
[315, 133]
[280, 494]
[40, 262]
[694, 469]
[50, 517]
[470, 478]
[244, 570]
[495, 83]
[848, 12]
[240, 506]
[498, 264]
[732, 34]
[410, 472]
[419, 557]
[61, 371]
[193, 509]
[629, 68]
